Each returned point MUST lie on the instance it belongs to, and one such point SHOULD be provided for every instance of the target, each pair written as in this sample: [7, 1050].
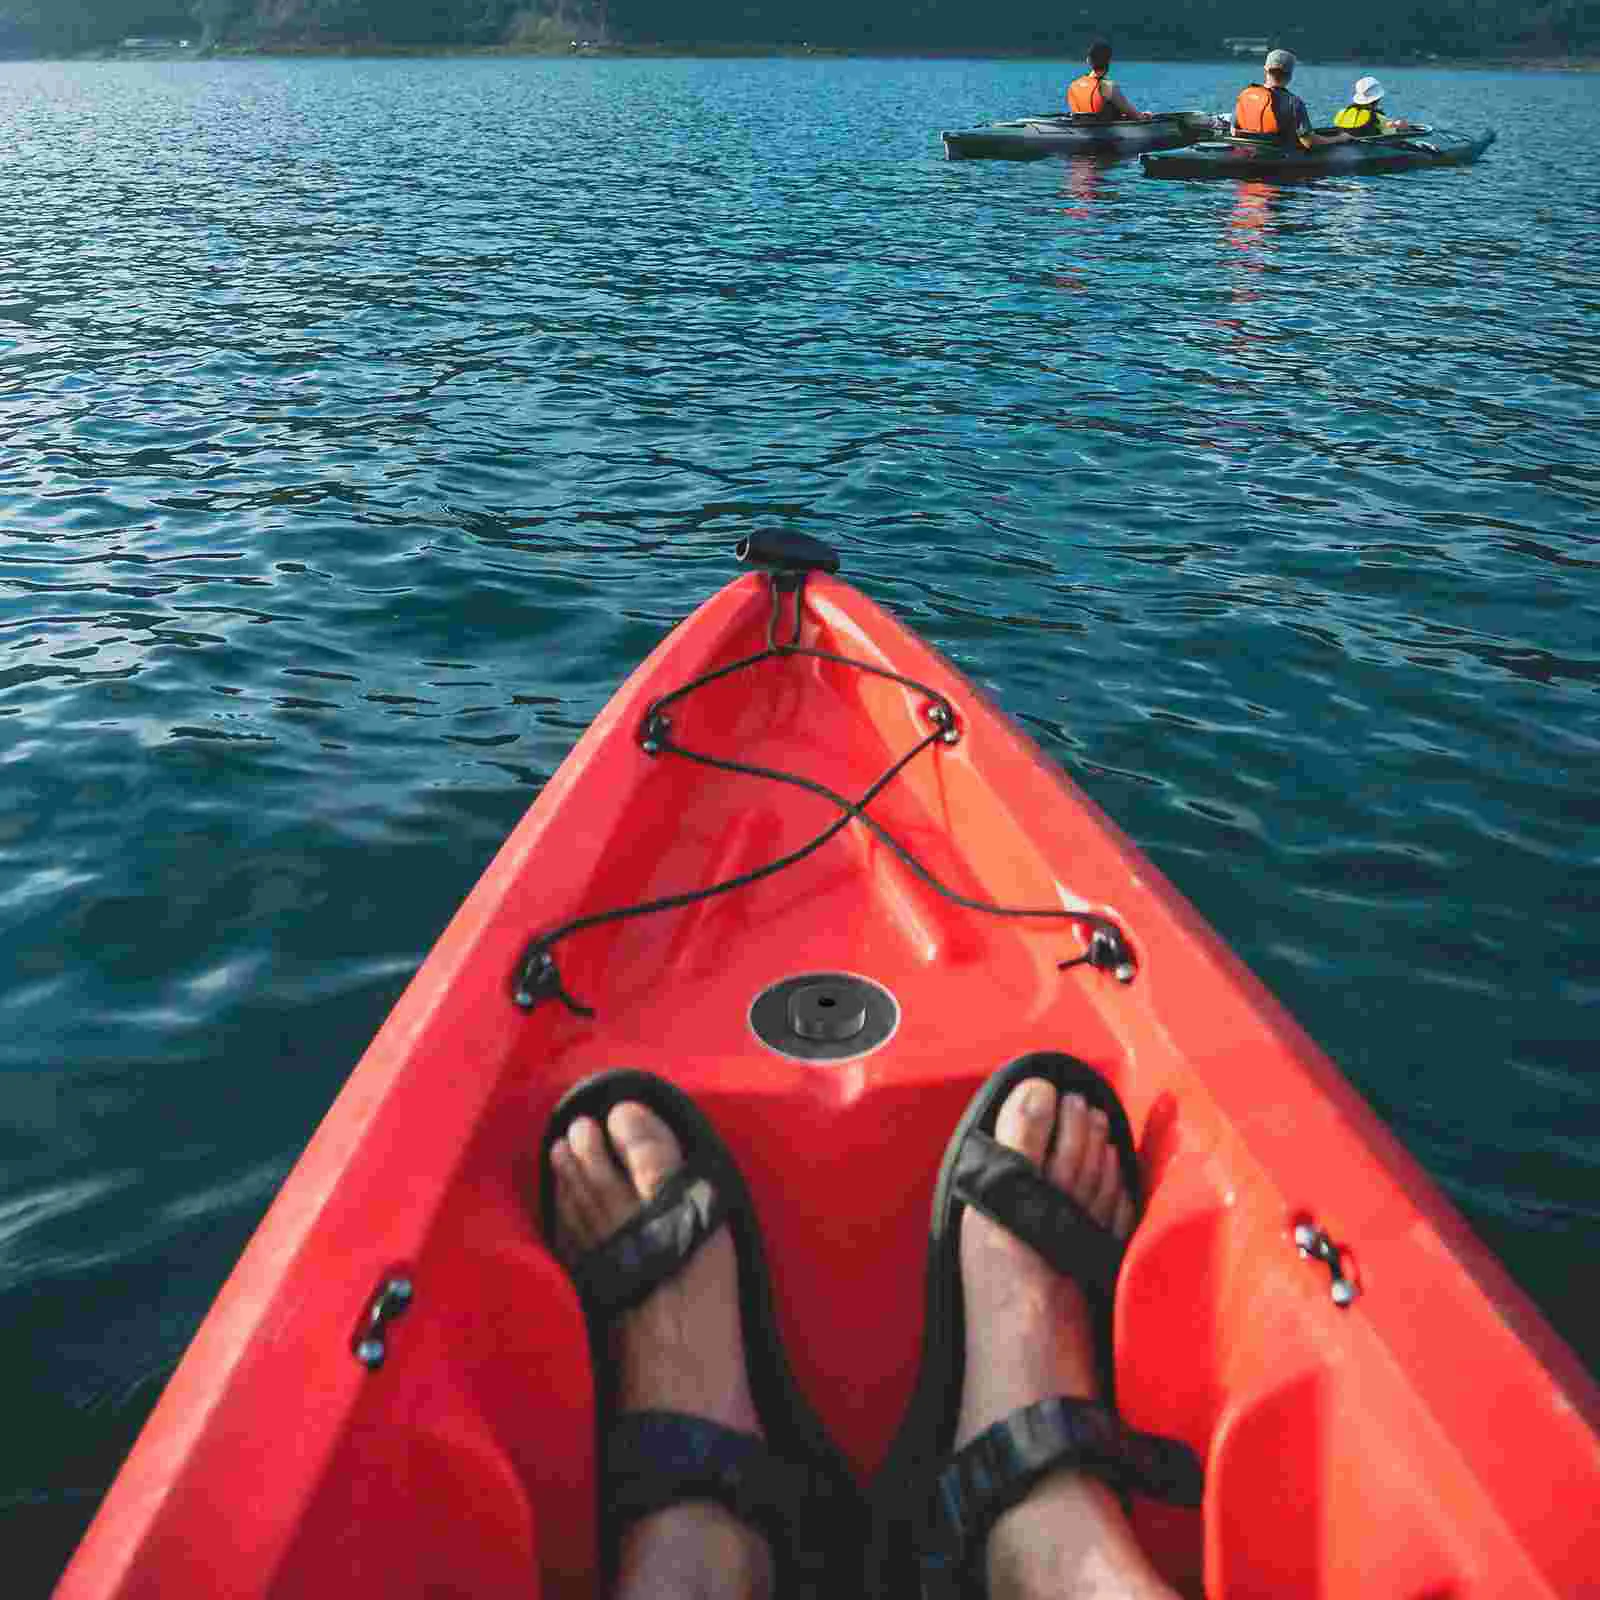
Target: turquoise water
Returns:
[362, 423]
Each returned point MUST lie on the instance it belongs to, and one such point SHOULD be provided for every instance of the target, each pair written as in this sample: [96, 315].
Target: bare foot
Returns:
[680, 1350]
[1029, 1336]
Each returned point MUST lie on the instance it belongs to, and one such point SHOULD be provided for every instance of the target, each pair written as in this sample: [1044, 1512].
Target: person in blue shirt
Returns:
[1266, 111]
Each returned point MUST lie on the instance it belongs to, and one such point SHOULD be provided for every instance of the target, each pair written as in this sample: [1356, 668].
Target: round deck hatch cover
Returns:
[824, 1016]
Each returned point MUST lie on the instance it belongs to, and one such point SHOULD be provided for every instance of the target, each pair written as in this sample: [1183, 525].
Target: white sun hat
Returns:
[1368, 92]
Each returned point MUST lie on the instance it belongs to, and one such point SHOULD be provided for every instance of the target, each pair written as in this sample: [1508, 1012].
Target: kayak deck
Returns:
[278, 1464]
[1241, 158]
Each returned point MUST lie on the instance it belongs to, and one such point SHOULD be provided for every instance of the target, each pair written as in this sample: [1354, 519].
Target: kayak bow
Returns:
[803, 869]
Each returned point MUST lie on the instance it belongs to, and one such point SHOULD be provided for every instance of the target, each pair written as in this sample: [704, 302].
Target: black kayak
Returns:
[1029, 138]
[1248, 158]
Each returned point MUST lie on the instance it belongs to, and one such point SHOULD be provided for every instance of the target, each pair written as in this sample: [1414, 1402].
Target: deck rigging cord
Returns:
[786, 559]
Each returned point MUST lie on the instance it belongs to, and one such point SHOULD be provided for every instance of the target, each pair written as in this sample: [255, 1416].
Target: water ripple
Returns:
[362, 423]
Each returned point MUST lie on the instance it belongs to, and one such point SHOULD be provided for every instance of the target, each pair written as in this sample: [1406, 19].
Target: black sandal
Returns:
[935, 1509]
[794, 1487]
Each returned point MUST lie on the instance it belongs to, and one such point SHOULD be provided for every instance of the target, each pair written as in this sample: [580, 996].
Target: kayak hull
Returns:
[1033, 138]
[278, 1464]
[1238, 158]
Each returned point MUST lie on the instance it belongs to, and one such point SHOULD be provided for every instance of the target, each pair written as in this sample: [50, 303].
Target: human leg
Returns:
[681, 1350]
[1029, 1335]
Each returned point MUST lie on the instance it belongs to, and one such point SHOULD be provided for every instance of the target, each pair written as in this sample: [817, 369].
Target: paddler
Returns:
[1363, 118]
[1267, 112]
[1095, 97]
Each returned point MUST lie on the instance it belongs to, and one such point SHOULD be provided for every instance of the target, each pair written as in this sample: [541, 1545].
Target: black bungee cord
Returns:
[786, 560]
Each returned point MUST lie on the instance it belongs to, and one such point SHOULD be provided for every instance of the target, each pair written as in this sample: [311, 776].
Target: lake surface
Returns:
[362, 424]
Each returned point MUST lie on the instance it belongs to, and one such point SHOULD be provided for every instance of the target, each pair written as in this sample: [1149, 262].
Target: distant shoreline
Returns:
[711, 52]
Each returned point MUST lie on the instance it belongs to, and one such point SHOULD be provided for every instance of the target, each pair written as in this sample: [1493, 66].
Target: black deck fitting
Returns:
[777, 551]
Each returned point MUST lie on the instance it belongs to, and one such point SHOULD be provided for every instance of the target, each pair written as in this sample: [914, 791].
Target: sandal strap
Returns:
[1000, 1467]
[1006, 1186]
[652, 1246]
[655, 1459]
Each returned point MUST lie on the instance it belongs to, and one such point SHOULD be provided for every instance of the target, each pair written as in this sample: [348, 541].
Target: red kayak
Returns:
[800, 868]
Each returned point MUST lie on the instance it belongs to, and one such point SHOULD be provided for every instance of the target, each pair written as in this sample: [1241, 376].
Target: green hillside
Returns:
[1370, 29]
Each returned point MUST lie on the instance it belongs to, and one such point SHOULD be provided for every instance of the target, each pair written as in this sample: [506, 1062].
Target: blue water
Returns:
[361, 423]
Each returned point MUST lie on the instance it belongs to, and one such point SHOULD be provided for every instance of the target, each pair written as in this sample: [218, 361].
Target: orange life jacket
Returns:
[1260, 113]
[1085, 97]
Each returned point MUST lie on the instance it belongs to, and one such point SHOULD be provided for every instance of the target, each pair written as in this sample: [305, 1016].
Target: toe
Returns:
[1027, 1119]
[575, 1222]
[1094, 1156]
[1072, 1139]
[613, 1198]
[1102, 1204]
[649, 1149]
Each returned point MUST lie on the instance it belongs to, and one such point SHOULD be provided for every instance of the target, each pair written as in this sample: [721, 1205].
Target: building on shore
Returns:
[138, 45]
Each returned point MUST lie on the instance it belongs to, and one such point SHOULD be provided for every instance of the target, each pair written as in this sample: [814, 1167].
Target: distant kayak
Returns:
[1244, 158]
[1029, 138]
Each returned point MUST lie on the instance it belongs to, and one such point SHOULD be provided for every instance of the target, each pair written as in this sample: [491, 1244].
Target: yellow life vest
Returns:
[1359, 119]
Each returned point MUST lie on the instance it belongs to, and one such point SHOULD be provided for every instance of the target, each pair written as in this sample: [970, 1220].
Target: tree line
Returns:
[1375, 30]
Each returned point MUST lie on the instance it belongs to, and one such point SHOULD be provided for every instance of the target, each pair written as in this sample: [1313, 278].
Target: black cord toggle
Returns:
[942, 715]
[538, 978]
[1107, 952]
[655, 731]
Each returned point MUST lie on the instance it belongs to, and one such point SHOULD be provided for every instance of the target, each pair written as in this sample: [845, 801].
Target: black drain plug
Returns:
[828, 1011]
[824, 1016]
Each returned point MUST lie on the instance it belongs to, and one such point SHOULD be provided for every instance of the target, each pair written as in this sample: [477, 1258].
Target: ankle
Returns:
[697, 1550]
[1069, 1540]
